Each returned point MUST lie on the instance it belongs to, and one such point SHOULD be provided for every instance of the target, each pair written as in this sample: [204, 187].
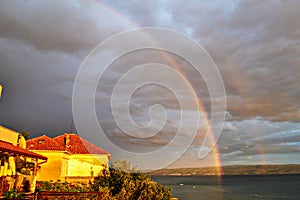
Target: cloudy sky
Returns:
[255, 44]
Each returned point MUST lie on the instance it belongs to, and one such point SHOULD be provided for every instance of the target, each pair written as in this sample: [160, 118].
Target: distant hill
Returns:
[231, 170]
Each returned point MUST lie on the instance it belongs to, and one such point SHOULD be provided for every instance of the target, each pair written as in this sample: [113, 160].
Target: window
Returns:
[41, 141]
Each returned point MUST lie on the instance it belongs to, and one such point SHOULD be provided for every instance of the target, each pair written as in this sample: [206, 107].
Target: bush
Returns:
[115, 185]
[13, 194]
[130, 186]
[62, 187]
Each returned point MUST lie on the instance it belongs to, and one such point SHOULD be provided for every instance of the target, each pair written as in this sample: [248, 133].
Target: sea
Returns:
[244, 187]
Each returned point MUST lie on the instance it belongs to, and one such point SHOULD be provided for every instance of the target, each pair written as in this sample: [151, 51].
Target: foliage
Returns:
[130, 186]
[13, 194]
[62, 187]
[25, 134]
[22, 166]
[26, 186]
[119, 183]
[122, 165]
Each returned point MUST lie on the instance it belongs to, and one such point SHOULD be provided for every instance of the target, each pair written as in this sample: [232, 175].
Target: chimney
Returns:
[67, 141]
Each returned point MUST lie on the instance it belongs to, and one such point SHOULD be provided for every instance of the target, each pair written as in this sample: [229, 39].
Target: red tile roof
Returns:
[76, 144]
[10, 148]
[43, 143]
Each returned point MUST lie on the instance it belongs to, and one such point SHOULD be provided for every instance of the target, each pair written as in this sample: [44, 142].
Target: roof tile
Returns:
[74, 144]
[43, 143]
[10, 148]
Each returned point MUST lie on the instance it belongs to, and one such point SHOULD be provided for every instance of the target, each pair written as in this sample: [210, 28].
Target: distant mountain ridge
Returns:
[231, 170]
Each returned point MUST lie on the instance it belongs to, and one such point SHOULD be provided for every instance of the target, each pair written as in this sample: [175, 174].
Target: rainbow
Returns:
[217, 161]
[174, 64]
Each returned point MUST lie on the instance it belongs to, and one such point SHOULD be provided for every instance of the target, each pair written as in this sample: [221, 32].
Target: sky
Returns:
[255, 45]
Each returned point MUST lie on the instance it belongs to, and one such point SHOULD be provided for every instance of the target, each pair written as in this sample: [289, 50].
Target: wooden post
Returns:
[2, 183]
[35, 167]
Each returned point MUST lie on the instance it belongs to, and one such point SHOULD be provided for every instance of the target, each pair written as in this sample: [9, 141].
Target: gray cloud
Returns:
[256, 45]
[258, 136]
[59, 26]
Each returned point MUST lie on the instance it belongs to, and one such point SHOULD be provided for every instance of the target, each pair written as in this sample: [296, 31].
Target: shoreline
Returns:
[231, 170]
[223, 175]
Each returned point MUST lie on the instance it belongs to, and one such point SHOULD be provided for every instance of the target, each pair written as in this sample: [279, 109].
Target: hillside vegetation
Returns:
[232, 170]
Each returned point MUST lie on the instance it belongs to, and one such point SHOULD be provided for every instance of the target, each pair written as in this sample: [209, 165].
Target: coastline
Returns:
[234, 170]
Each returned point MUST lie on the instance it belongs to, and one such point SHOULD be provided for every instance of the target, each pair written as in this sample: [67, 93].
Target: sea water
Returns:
[233, 187]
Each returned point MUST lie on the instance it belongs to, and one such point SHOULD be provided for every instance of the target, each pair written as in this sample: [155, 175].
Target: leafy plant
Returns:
[62, 187]
[13, 194]
[130, 186]
[25, 134]
[115, 184]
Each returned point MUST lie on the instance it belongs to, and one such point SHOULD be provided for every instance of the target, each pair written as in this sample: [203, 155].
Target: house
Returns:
[70, 158]
[18, 165]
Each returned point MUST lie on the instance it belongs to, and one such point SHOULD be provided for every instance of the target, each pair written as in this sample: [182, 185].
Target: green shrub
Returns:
[13, 194]
[130, 186]
[62, 187]
[115, 185]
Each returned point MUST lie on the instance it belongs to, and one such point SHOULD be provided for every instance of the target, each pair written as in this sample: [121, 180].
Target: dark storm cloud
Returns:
[42, 47]
[69, 26]
[256, 45]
